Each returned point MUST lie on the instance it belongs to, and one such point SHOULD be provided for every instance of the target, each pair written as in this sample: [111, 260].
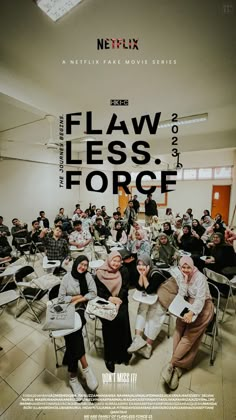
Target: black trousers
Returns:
[74, 347]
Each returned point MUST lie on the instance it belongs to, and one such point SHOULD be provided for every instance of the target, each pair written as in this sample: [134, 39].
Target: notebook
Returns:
[180, 306]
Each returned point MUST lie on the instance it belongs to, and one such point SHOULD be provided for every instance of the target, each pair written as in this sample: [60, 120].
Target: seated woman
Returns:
[188, 335]
[140, 245]
[169, 232]
[221, 254]
[112, 284]
[155, 227]
[169, 217]
[163, 251]
[118, 234]
[78, 287]
[134, 228]
[137, 247]
[150, 318]
[199, 229]
[190, 241]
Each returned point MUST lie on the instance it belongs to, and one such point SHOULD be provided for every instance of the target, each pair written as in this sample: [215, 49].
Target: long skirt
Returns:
[117, 336]
[187, 337]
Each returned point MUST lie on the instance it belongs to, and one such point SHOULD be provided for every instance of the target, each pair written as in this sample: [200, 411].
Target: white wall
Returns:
[100, 199]
[28, 187]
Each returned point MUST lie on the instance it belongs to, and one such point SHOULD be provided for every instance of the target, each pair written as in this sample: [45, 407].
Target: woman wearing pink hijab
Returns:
[194, 288]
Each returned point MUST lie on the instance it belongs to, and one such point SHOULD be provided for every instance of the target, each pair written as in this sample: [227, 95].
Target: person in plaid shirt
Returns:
[56, 247]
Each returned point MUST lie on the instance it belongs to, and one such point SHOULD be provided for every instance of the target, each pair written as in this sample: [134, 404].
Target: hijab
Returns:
[207, 222]
[199, 229]
[81, 277]
[192, 276]
[118, 231]
[108, 276]
[169, 231]
[189, 230]
[166, 251]
[187, 219]
[146, 259]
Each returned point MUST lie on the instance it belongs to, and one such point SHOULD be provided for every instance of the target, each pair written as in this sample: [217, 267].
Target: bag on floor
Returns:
[167, 292]
[101, 308]
[60, 316]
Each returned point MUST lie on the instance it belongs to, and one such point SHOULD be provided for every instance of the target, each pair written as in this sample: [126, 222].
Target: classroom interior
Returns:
[39, 82]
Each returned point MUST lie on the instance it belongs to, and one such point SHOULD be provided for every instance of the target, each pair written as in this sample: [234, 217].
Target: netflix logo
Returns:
[117, 43]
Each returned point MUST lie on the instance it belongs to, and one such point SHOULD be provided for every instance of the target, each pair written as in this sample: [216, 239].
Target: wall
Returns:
[107, 198]
[28, 187]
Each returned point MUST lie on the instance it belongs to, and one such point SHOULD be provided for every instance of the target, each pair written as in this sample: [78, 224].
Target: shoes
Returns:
[167, 373]
[90, 378]
[110, 366]
[179, 371]
[138, 343]
[145, 351]
[77, 389]
[174, 382]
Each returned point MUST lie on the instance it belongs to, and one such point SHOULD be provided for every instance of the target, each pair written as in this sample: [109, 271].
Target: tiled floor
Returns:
[27, 366]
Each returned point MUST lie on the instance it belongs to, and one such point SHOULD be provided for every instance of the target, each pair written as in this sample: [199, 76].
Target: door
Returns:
[123, 199]
[221, 201]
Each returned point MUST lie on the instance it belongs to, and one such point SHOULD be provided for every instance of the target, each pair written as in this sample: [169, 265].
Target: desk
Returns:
[95, 264]
[50, 265]
[10, 271]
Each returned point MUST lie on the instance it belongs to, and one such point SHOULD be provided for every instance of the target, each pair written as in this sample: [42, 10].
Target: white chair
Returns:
[221, 280]
[212, 328]
[7, 297]
[62, 333]
[9, 274]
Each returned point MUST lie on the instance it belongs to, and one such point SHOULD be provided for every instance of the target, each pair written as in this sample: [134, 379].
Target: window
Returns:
[205, 173]
[223, 172]
[190, 174]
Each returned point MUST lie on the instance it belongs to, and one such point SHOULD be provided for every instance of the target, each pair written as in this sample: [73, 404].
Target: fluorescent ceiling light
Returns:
[55, 9]
[190, 119]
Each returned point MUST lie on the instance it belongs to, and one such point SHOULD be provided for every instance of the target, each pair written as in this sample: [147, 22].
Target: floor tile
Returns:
[32, 342]
[19, 333]
[8, 396]
[6, 345]
[23, 375]
[11, 360]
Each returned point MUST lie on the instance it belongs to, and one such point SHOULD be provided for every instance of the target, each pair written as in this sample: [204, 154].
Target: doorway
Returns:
[123, 199]
[220, 201]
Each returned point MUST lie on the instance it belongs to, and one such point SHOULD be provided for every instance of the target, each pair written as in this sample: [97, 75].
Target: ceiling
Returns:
[38, 79]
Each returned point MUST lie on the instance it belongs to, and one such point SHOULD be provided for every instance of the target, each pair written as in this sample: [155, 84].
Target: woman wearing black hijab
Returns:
[221, 254]
[78, 287]
[199, 229]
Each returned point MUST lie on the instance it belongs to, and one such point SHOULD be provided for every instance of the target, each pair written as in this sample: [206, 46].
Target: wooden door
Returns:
[221, 201]
[123, 199]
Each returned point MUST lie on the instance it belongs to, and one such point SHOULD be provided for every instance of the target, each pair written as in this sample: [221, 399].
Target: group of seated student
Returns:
[111, 282]
[134, 265]
[185, 233]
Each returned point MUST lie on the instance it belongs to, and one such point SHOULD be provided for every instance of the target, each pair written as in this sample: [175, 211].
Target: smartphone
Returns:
[184, 311]
[58, 308]
[102, 302]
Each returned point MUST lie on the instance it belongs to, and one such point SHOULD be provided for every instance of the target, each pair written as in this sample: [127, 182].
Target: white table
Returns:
[50, 264]
[74, 248]
[62, 333]
[95, 264]
[116, 248]
[11, 270]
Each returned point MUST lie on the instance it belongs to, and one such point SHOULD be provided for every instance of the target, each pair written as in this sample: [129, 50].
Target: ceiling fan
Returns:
[51, 143]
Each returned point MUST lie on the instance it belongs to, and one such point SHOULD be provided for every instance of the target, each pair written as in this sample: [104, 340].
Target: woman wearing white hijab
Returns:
[188, 335]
